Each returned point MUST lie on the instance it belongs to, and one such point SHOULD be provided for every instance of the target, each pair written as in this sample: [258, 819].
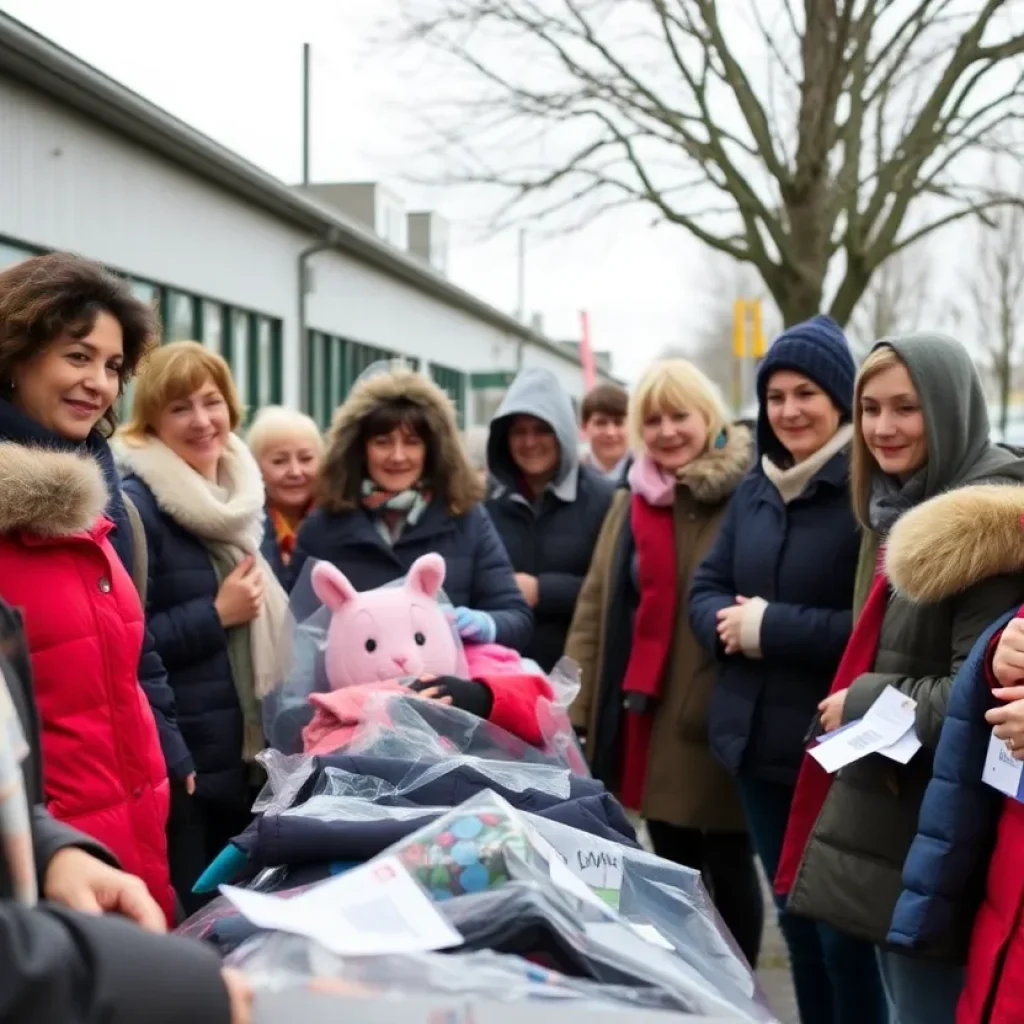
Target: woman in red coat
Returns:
[70, 335]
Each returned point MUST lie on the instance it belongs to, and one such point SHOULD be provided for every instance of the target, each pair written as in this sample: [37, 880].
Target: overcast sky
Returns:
[232, 69]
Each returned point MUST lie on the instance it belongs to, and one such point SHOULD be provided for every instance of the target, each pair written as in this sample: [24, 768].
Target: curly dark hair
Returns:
[45, 297]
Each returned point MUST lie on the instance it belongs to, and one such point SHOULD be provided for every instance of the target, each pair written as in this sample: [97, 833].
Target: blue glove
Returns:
[476, 627]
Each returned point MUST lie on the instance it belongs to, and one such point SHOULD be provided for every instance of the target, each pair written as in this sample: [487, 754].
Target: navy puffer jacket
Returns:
[192, 643]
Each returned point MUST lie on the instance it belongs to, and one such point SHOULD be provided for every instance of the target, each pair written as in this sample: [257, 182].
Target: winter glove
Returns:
[477, 627]
[466, 694]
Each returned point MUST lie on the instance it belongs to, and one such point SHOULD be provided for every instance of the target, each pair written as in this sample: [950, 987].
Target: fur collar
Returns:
[49, 493]
[955, 540]
[717, 473]
[453, 463]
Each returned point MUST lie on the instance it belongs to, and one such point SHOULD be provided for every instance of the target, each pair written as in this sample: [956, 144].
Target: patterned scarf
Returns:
[394, 511]
[286, 530]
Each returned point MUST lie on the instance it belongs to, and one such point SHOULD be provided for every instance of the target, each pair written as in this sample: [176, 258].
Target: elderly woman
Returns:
[289, 449]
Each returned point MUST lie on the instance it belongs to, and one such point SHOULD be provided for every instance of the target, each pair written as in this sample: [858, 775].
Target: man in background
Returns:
[604, 427]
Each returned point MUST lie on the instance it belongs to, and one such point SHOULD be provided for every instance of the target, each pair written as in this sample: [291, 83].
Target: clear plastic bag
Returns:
[349, 662]
[508, 889]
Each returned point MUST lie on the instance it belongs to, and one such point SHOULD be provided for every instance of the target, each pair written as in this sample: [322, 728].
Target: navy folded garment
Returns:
[291, 838]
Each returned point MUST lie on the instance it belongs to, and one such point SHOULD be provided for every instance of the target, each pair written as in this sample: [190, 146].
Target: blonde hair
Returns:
[672, 385]
[862, 462]
[275, 423]
[173, 372]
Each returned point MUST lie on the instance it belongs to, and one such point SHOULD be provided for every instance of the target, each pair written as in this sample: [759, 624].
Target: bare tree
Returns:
[785, 135]
[897, 299]
[708, 338]
[997, 299]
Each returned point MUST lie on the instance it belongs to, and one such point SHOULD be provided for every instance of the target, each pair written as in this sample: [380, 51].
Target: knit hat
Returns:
[818, 349]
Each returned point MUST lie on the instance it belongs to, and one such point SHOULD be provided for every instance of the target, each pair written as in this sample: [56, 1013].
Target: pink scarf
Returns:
[648, 480]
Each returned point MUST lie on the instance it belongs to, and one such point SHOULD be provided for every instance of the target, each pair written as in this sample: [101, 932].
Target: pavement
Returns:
[773, 970]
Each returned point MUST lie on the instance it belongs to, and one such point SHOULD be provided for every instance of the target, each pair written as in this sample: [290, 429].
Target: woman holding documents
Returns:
[772, 602]
[921, 429]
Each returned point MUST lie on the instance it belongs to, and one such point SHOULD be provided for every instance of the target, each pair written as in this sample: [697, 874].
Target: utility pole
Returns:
[305, 113]
[521, 278]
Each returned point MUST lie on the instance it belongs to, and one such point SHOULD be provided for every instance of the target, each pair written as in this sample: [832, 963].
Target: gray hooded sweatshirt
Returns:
[552, 538]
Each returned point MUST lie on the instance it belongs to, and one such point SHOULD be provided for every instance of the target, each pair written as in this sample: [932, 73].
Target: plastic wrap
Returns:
[326, 703]
[508, 888]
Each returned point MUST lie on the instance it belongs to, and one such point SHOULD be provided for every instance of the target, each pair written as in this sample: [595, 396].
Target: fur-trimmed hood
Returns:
[460, 482]
[716, 474]
[957, 539]
[49, 493]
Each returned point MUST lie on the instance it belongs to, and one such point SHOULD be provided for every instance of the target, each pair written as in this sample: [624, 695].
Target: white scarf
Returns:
[229, 513]
[792, 482]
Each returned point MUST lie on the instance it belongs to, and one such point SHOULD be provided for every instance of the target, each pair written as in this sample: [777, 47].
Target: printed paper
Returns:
[372, 910]
[886, 723]
[1002, 770]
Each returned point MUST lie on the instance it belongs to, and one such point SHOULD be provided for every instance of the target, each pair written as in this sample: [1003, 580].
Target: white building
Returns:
[298, 294]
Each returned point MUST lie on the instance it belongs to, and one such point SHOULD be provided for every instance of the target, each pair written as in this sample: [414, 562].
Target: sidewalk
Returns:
[773, 972]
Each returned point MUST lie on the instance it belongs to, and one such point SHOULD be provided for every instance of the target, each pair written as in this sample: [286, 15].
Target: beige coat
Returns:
[686, 786]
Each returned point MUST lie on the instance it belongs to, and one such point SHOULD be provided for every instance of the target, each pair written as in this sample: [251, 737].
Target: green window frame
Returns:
[454, 383]
[329, 374]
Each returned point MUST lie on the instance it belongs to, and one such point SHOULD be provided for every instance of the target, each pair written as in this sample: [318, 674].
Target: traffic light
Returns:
[748, 329]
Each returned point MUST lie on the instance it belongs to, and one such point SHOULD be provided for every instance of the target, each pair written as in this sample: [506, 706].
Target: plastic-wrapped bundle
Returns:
[349, 653]
[506, 888]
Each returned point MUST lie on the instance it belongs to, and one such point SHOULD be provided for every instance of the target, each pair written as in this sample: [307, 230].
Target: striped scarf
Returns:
[393, 512]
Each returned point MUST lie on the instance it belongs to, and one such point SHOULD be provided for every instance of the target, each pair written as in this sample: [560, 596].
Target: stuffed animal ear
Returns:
[332, 586]
[426, 575]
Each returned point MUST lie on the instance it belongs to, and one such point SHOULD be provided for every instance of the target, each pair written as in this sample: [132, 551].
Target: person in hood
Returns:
[397, 484]
[921, 430]
[771, 604]
[547, 508]
[646, 683]
[61, 961]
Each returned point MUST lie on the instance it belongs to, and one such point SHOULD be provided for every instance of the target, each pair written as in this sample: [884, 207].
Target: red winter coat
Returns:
[103, 768]
[994, 985]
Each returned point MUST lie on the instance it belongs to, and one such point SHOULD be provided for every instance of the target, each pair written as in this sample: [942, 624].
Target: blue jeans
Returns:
[836, 977]
[922, 991]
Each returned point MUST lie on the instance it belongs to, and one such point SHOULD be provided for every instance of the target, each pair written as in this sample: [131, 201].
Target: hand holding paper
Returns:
[1008, 720]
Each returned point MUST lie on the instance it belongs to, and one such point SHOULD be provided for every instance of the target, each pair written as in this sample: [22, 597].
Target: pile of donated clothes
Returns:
[430, 846]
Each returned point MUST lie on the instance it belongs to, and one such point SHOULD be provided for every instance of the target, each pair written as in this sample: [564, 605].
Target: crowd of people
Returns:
[729, 596]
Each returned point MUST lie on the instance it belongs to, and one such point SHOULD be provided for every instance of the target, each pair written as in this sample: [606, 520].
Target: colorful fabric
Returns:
[286, 530]
[394, 511]
[814, 783]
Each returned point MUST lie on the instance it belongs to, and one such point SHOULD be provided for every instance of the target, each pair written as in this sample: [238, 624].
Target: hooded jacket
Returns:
[685, 785]
[945, 597]
[553, 537]
[103, 768]
[479, 574]
[59, 966]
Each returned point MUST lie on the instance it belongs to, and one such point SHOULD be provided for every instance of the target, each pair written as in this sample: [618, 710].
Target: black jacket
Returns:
[60, 967]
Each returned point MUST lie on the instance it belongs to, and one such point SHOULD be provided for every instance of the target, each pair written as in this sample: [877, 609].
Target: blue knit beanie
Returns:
[817, 348]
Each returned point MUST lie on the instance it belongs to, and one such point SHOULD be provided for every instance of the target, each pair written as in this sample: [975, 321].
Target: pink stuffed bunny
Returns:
[377, 638]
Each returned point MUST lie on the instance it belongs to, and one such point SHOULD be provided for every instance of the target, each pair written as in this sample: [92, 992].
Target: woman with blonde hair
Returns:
[925, 595]
[772, 603]
[214, 606]
[289, 449]
[646, 684]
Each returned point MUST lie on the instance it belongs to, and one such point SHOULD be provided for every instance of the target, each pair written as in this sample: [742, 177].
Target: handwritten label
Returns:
[1002, 770]
[599, 868]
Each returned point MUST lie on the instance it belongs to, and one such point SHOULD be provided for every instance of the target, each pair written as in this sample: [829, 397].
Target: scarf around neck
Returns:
[393, 511]
[890, 499]
[648, 480]
[227, 517]
[792, 481]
